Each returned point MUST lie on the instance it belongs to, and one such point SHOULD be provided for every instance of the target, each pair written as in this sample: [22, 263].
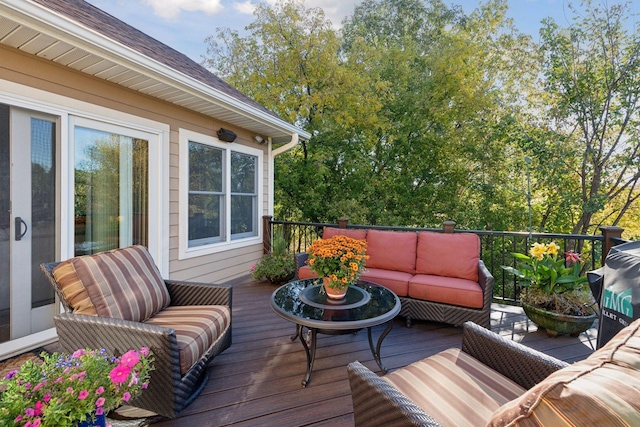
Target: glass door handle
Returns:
[18, 228]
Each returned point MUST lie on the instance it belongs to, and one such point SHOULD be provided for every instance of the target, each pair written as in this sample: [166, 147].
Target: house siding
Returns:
[47, 76]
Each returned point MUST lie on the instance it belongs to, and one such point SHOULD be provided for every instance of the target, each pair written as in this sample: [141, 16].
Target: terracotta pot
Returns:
[558, 324]
[333, 293]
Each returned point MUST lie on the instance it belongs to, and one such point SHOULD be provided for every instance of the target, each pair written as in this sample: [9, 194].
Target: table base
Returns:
[309, 344]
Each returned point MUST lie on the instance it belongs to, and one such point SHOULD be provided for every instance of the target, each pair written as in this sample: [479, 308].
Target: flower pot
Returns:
[333, 293]
[558, 324]
[99, 421]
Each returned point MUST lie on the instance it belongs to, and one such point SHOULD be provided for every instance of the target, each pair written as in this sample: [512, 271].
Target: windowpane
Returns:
[243, 196]
[205, 168]
[205, 213]
[111, 191]
[243, 223]
[43, 207]
[243, 173]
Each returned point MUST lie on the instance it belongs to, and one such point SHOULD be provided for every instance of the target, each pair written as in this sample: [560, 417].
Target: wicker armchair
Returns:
[170, 387]
[377, 402]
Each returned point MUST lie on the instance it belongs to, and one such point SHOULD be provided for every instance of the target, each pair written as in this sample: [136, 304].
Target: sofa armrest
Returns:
[485, 280]
[191, 293]
[301, 261]
[378, 403]
[521, 364]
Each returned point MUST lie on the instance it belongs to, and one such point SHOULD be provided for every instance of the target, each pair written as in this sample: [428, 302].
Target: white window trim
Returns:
[185, 252]
[38, 100]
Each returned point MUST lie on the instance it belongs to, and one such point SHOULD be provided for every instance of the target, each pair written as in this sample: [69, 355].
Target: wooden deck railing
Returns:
[496, 247]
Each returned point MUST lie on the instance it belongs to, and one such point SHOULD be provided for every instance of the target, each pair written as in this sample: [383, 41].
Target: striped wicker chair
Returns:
[495, 382]
[117, 300]
[454, 387]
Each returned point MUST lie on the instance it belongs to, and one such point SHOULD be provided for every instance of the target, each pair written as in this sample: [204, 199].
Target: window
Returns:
[111, 187]
[221, 206]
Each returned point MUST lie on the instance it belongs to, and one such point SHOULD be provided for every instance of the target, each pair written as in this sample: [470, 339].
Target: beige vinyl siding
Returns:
[47, 76]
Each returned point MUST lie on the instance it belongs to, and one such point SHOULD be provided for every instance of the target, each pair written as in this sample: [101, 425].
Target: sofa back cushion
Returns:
[357, 234]
[121, 284]
[448, 254]
[392, 250]
[602, 390]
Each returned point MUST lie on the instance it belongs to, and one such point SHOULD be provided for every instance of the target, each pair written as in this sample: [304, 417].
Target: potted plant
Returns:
[278, 266]
[554, 297]
[339, 261]
[73, 390]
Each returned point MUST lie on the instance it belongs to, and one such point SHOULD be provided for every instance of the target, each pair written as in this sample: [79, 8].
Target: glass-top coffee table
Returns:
[304, 303]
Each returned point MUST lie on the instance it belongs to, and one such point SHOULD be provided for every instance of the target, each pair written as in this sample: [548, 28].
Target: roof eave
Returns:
[70, 31]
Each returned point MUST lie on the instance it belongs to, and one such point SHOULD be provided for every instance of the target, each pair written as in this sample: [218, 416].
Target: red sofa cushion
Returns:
[450, 255]
[447, 290]
[392, 250]
[357, 234]
[305, 272]
[397, 281]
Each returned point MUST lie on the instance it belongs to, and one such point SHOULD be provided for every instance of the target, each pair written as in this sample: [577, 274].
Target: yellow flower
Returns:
[553, 248]
[538, 250]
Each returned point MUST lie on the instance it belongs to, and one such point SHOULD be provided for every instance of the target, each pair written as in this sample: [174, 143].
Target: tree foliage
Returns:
[421, 113]
[591, 100]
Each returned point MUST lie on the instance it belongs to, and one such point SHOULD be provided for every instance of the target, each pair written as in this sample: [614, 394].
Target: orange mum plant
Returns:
[339, 258]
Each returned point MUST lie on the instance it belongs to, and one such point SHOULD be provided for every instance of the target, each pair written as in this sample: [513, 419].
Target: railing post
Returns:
[609, 232]
[266, 233]
[342, 222]
[448, 226]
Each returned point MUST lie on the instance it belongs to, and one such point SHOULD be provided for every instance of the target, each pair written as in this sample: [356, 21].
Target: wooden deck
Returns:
[257, 380]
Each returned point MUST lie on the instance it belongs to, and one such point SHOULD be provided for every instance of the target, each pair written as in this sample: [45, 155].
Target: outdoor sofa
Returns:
[493, 381]
[118, 300]
[437, 276]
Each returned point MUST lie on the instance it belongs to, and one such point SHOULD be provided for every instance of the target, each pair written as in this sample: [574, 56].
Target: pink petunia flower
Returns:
[99, 411]
[83, 395]
[130, 358]
[144, 351]
[36, 422]
[47, 398]
[100, 402]
[119, 374]
[78, 353]
[70, 390]
[99, 390]
[18, 419]
[126, 396]
[29, 412]
[11, 374]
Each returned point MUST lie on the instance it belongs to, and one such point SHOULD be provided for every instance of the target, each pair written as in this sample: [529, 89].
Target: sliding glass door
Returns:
[29, 234]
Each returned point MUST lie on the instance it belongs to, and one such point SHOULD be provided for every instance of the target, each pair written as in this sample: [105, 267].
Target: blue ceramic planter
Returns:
[99, 421]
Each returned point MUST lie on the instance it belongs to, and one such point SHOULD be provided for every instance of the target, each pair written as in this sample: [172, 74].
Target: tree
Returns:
[592, 85]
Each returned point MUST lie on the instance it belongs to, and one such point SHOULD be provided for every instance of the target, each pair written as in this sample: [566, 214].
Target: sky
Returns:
[185, 24]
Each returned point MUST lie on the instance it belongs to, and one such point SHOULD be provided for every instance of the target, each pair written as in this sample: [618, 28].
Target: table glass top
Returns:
[302, 299]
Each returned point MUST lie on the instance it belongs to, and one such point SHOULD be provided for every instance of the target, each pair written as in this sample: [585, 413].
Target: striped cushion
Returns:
[602, 390]
[196, 326]
[454, 388]
[72, 288]
[121, 284]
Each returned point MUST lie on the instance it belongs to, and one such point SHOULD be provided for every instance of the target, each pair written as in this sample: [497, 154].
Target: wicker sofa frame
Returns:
[169, 391]
[413, 308]
[376, 402]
